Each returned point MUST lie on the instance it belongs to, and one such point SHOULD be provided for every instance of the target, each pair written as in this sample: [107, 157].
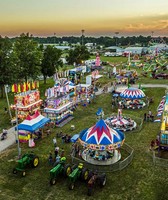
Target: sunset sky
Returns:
[96, 17]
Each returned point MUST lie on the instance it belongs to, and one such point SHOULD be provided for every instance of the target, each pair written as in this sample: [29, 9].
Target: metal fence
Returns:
[120, 165]
[159, 161]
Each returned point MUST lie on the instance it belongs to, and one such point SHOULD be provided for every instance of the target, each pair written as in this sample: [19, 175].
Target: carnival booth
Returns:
[76, 74]
[84, 92]
[58, 105]
[93, 78]
[120, 122]
[101, 144]
[28, 130]
[132, 98]
[27, 99]
[160, 109]
[163, 143]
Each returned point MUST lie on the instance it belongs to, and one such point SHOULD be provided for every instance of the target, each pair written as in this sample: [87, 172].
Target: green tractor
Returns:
[60, 168]
[78, 172]
[27, 160]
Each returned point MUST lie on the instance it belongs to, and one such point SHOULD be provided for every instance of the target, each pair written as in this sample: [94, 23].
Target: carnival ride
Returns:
[101, 144]
[121, 123]
[132, 98]
[27, 160]
[126, 76]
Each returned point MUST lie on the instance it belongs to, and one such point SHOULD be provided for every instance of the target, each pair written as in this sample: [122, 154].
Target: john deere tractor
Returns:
[95, 178]
[79, 172]
[27, 160]
[60, 168]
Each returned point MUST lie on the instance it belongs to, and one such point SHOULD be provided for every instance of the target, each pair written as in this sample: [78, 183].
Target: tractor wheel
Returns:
[35, 161]
[67, 170]
[102, 180]
[71, 186]
[15, 171]
[85, 174]
[53, 181]
[23, 173]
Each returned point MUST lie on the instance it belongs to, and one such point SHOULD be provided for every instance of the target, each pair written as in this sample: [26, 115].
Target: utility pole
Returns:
[18, 143]
[6, 92]
[82, 36]
[54, 37]
[116, 33]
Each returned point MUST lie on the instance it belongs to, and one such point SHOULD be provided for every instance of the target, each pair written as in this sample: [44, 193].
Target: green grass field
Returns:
[141, 180]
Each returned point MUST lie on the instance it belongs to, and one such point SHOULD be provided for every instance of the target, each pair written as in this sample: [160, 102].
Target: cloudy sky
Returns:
[96, 17]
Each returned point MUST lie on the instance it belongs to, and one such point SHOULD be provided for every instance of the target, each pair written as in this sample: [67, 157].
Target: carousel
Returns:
[132, 98]
[101, 144]
[120, 122]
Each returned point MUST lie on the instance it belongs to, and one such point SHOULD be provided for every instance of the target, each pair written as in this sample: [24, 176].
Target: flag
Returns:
[19, 89]
[13, 88]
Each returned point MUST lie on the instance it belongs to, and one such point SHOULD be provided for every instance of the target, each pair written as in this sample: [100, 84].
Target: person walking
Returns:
[62, 152]
[55, 141]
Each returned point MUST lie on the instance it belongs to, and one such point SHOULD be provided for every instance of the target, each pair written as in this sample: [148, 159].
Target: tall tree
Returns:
[77, 55]
[8, 63]
[29, 55]
[51, 61]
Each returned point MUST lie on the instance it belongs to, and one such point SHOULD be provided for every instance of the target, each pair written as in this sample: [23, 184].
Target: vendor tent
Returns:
[34, 122]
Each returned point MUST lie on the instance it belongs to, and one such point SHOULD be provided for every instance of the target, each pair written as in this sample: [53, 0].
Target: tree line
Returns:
[25, 59]
[103, 40]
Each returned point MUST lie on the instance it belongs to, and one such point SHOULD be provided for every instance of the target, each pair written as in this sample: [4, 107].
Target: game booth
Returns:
[132, 98]
[93, 78]
[101, 144]
[58, 105]
[76, 74]
[27, 99]
[84, 93]
[121, 122]
[31, 128]
[163, 142]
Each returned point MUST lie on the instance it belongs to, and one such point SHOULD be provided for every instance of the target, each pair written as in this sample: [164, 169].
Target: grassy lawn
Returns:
[141, 180]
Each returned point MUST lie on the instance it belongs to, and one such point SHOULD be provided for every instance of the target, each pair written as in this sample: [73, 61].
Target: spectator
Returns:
[50, 158]
[56, 151]
[48, 132]
[62, 152]
[63, 138]
[57, 160]
[55, 141]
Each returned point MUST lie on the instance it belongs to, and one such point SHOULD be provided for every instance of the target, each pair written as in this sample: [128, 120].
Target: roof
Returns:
[115, 47]
[102, 134]
[34, 122]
